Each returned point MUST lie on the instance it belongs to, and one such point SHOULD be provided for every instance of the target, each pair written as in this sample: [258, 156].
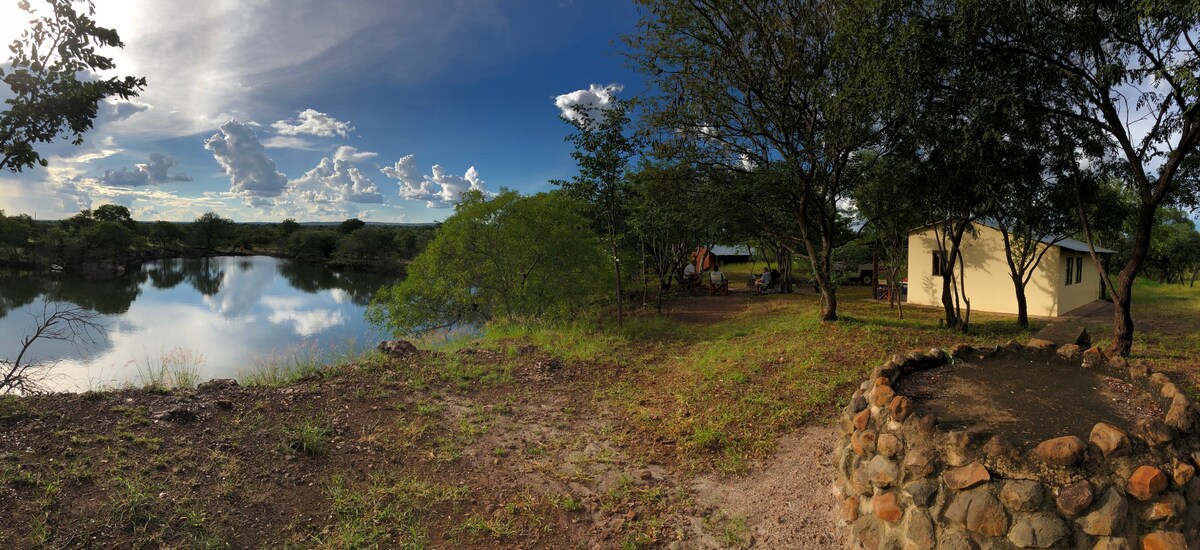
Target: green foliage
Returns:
[210, 230]
[312, 245]
[166, 234]
[505, 258]
[351, 225]
[47, 97]
[113, 213]
[367, 248]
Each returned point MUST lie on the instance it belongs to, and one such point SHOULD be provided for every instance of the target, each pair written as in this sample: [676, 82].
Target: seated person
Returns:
[718, 282]
[764, 281]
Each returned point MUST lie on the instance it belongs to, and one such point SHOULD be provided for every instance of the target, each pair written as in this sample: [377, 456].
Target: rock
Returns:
[882, 472]
[846, 424]
[1181, 472]
[397, 348]
[1021, 495]
[959, 438]
[1075, 498]
[1093, 358]
[1061, 451]
[921, 491]
[850, 509]
[1165, 507]
[1155, 431]
[1168, 391]
[861, 482]
[927, 424]
[1158, 380]
[1139, 369]
[920, 531]
[1181, 416]
[1111, 543]
[919, 462]
[961, 350]
[176, 413]
[885, 508]
[965, 477]
[1040, 344]
[1038, 531]
[1146, 482]
[954, 539]
[217, 384]
[1109, 515]
[1112, 441]
[1000, 446]
[1164, 540]
[977, 510]
[1118, 363]
[1065, 332]
[888, 445]
[881, 395]
[862, 419]
[864, 443]
[900, 407]
[866, 529]
[1070, 352]
[857, 404]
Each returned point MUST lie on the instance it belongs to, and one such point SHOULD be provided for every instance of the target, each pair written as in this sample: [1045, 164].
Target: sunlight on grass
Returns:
[177, 368]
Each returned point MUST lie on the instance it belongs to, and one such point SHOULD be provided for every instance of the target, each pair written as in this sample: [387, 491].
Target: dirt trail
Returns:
[785, 502]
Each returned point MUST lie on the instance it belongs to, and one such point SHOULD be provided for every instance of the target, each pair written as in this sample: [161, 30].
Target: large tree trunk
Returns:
[1123, 294]
[1022, 304]
[828, 298]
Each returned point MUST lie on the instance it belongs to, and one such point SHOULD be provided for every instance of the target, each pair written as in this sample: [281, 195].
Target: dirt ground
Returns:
[472, 449]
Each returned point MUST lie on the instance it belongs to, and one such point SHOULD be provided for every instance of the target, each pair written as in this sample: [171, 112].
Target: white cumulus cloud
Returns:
[335, 180]
[152, 172]
[245, 161]
[441, 190]
[313, 122]
[574, 105]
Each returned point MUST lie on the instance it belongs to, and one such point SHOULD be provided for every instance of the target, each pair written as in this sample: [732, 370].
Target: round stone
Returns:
[965, 477]
[1075, 498]
[888, 445]
[977, 510]
[1112, 441]
[885, 508]
[1021, 495]
[1061, 451]
[1109, 515]
[1038, 531]
[1164, 540]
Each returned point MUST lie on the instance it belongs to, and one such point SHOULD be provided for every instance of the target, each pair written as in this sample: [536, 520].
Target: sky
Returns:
[384, 110]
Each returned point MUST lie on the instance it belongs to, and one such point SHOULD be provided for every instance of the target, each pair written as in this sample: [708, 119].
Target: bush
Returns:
[506, 258]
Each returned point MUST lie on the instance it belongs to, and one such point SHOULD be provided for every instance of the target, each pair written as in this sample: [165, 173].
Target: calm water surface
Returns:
[233, 312]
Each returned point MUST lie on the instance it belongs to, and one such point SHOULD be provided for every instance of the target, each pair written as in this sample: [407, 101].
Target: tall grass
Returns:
[178, 367]
[304, 360]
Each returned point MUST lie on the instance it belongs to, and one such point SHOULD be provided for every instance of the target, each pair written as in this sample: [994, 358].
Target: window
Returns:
[1070, 270]
[1079, 269]
[939, 264]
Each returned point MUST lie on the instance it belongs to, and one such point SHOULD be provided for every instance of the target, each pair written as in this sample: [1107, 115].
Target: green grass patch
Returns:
[384, 512]
[308, 436]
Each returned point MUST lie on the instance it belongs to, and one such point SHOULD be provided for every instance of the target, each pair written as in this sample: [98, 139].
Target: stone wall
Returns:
[905, 483]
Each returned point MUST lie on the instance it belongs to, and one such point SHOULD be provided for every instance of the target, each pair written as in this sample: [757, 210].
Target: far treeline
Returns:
[823, 132]
[106, 240]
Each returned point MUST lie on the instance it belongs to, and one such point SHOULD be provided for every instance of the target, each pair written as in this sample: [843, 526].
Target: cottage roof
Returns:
[1073, 245]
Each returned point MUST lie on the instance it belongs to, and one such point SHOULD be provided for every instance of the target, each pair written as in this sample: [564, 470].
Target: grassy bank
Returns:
[517, 437]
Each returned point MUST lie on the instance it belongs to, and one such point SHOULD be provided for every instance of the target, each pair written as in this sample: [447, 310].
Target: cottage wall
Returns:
[989, 285]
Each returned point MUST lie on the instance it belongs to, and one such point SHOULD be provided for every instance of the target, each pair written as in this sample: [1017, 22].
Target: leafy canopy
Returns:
[48, 98]
[509, 257]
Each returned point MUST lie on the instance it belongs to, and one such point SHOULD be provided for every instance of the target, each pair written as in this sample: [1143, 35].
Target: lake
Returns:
[223, 315]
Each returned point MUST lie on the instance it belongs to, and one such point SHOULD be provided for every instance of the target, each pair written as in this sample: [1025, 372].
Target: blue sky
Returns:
[382, 110]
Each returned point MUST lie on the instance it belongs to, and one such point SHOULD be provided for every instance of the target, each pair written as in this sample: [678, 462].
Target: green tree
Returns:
[114, 213]
[312, 245]
[351, 225]
[1175, 248]
[604, 145]
[509, 257]
[371, 248]
[47, 98]
[164, 234]
[767, 85]
[1122, 76]
[210, 230]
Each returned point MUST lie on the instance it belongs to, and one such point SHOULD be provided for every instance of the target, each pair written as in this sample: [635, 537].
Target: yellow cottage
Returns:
[1065, 279]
